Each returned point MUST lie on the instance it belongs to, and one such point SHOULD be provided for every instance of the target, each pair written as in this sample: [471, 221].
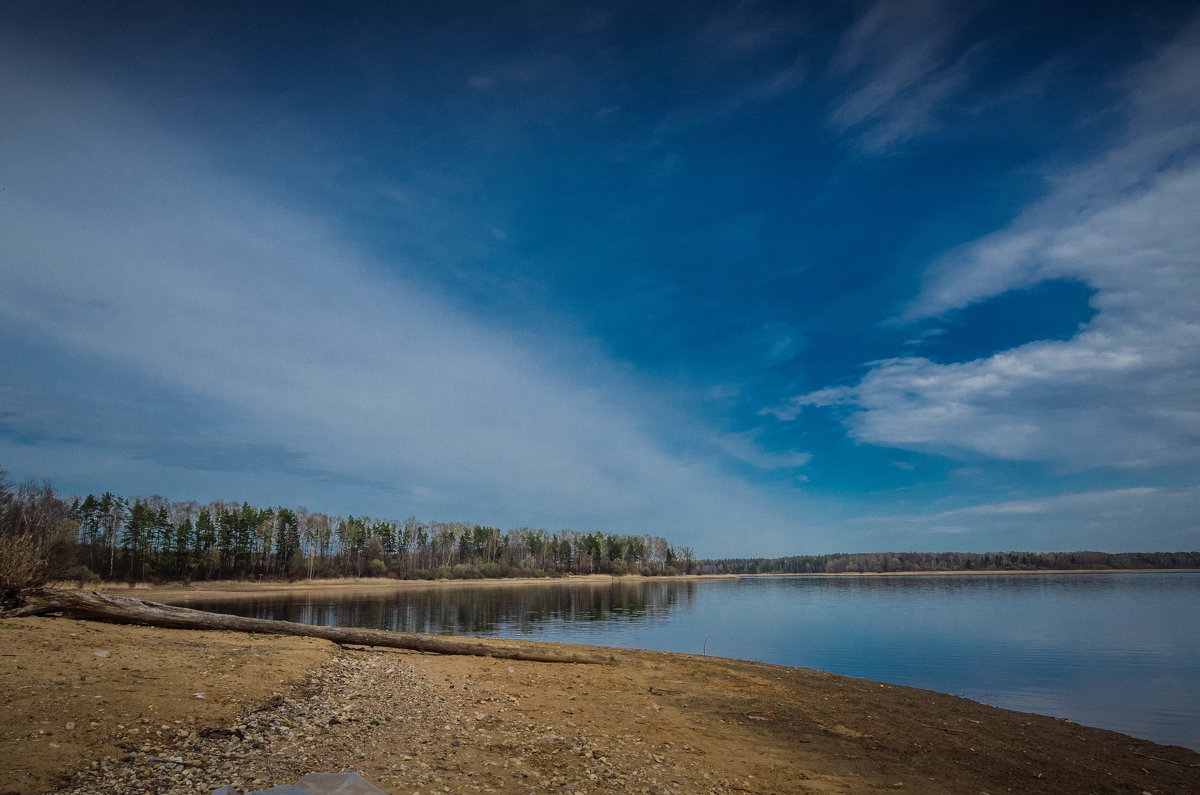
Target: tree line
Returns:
[46, 536]
[109, 536]
[894, 562]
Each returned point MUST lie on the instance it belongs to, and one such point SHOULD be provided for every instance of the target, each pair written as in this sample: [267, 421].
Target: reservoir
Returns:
[1116, 651]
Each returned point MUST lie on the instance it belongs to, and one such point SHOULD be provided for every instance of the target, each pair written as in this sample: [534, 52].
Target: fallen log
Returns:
[125, 610]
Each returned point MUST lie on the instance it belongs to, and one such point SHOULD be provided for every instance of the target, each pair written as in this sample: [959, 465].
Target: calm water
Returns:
[1119, 651]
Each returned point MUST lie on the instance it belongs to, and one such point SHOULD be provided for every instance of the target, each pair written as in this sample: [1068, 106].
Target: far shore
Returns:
[363, 585]
[209, 589]
[960, 572]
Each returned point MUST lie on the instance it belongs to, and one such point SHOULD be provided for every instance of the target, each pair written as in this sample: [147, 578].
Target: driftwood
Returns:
[124, 610]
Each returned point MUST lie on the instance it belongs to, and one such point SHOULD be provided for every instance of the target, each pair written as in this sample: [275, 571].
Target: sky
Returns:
[760, 278]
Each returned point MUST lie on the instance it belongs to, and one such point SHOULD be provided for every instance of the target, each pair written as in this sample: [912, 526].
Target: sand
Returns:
[77, 692]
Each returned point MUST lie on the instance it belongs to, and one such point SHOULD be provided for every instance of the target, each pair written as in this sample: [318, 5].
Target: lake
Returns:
[1117, 651]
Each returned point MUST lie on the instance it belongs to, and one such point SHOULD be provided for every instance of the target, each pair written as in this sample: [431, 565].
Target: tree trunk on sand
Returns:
[124, 610]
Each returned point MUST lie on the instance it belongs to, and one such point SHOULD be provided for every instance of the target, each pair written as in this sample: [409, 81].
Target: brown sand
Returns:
[177, 593]
[686, 723]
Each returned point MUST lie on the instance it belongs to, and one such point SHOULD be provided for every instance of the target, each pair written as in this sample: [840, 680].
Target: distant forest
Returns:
[46, 536]
[152, 538]
[891, 562]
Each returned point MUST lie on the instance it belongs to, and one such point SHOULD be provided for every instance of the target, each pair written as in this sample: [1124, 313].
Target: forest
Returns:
[144, 539]
[45, 536]
[895, 562]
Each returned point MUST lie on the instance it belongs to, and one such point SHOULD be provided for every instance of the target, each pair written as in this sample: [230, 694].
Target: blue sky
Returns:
[763, 278]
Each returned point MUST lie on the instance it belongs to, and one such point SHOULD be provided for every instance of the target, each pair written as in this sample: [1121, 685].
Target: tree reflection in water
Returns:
[471, 610]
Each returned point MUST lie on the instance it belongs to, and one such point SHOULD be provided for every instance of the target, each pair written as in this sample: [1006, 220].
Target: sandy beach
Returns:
[101, 708]
[179, 593]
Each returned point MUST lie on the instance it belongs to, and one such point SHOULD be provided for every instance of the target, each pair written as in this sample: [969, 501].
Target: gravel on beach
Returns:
[364, 702]
[102, 708]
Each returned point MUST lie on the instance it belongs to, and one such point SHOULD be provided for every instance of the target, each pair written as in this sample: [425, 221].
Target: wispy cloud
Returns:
[747, 448]
[903, 63]
[123, 246]
[1122, 391]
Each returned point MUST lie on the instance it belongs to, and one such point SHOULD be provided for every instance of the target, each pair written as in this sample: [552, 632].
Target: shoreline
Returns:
[125, 707]
[968, 573]
[364, 585]
[208, 589]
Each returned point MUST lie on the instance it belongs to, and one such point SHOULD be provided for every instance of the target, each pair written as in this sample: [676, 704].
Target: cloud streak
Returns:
[125, 247]
[902, 65]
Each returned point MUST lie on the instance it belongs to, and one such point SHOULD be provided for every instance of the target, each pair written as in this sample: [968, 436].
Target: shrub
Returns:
[297, 564]
[464, 571]
[22, 561]
[377, 568]
[61, 549]
[83, 576]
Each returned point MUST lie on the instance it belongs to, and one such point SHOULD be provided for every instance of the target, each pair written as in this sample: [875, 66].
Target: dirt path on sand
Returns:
[423, 723]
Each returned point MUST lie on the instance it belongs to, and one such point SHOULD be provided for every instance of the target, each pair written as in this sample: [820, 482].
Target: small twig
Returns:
[270, 704]
[187, 762]
[1168, 761]
[943, 728]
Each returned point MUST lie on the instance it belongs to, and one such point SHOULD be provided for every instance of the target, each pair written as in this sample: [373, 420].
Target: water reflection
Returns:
[473, 610]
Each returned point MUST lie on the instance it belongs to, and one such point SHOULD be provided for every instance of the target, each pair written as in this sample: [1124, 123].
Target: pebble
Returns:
[438, 739]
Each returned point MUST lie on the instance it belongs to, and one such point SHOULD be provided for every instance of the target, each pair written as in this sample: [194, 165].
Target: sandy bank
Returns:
[420, 723]
[180, 593]
[975, 573]
[177, 592]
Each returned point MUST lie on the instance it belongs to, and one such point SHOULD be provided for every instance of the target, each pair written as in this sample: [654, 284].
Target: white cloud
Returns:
[119, 243]
[1122, 391]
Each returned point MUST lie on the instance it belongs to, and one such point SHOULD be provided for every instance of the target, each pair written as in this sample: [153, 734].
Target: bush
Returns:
[377, 568]
[22, 561]
[464, 571]
[297, 564]
[83, 576]
[61, 549]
